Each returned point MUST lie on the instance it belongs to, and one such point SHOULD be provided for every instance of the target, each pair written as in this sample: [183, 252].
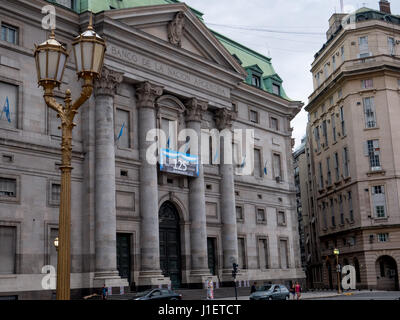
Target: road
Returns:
[378, 295]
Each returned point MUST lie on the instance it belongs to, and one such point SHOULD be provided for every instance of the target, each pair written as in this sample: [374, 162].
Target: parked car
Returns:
[158, 294]
[271, 292]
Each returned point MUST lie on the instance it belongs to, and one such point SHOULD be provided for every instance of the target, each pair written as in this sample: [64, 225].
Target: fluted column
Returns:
[224, 118]
[197, 206]
[149, 227]
[106, 221]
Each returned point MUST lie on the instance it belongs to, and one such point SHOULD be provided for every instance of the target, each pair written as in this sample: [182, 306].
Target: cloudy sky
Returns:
[296, 31]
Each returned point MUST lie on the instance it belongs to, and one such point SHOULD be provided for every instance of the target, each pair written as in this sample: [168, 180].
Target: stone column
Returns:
[150, 272]
[105, 216]
[224, 118]
[197, 206]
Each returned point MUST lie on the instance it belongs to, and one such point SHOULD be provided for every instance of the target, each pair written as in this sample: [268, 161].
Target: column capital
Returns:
[224, 118]
[194, 109]
[108, 82]
[147, 93]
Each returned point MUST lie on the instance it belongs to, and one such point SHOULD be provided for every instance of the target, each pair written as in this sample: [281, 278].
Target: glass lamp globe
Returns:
[89, 49]
[51, 58]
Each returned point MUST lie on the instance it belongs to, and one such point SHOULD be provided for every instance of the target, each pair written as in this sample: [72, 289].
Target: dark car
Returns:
[158, 294]
[271, 292]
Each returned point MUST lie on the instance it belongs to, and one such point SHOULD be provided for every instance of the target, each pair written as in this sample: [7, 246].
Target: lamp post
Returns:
[336, 253]
[51, 58]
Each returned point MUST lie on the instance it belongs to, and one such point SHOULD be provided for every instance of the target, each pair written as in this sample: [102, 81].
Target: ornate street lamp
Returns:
[336, 253]
[51, 58]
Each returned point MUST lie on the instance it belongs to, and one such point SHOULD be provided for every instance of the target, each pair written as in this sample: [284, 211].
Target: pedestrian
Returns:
[104, 292]
[298, 290]
[293, 290]
[253, 288]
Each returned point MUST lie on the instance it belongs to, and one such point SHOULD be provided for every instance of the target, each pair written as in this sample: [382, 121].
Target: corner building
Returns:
[353, 151]
[133, 224]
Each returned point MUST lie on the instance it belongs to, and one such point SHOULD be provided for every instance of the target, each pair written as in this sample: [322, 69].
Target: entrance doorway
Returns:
[212, 261]
[170, 245]
[329, 267]
[387, 274]
[124, 256]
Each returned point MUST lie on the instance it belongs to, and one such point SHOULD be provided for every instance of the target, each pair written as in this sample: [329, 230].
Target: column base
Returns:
[200, 276]
[110, 279]
[152, 278]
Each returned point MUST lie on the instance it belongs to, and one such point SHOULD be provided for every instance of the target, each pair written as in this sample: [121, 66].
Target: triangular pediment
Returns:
[178, 25]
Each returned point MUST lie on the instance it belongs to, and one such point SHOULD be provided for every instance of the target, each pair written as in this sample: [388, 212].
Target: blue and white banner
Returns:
[179, 163]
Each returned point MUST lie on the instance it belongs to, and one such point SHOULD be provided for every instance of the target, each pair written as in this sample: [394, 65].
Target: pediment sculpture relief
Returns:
[175, 29]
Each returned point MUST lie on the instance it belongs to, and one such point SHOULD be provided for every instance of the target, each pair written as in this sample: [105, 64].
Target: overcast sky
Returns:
[297, 31]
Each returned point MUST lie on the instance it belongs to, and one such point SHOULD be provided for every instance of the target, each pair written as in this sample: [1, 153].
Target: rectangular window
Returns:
[255, 81]
[170, 129]
[334, 62]
[328, 169]
[239, 213]
[276, 89]
[363, 46]
[66, 3]
[9, 33]
[340, 93]
[333, 127]
[333, 213]
[383, 237]
[241, 253]
[342, 121]
[326, 71]
[342, 53]
[8, 236]
[260, 215]
[263, 253]
[55, 192]
[367, 84]
[52, 248]
[253, 116]
[369, 112]
[345, 162]
[350, 200]
[277, 166]
[341, 209]
[336, 164]
[283, 251]
[379, 201]
[324, 214]
[274, 123]
[317, 138]
[8, 187]
[373, 153]
[318, 79]
[325, 133]
[392, 46]
[281, 218]
[321, 176]
[122, 128]
[8, 105]
[257, 163]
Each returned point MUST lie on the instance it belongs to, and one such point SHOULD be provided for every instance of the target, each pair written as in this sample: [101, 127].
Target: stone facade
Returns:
[352, 152]
[149, 76]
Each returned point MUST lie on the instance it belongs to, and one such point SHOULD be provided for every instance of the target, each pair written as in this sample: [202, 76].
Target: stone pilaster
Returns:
[197, 207]
[105, 216]
[150, 272]
[224, 119]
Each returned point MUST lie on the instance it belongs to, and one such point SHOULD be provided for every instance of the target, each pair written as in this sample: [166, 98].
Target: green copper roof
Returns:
[253, 62]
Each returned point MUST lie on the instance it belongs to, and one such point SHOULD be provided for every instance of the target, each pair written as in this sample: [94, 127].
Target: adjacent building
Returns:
[133, 223]
[352, 151]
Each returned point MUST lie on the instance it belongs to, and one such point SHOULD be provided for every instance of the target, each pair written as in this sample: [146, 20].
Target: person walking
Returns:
[104, 292]
[293, 290]
[253, 288]
[298, 290]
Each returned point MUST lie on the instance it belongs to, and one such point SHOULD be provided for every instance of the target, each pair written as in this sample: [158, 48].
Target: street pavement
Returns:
[333, 295]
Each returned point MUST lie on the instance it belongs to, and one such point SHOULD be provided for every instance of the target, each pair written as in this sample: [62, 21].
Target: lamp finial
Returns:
[90, 26]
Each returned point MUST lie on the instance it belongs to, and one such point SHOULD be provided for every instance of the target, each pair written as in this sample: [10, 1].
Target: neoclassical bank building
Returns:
[135, 223]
